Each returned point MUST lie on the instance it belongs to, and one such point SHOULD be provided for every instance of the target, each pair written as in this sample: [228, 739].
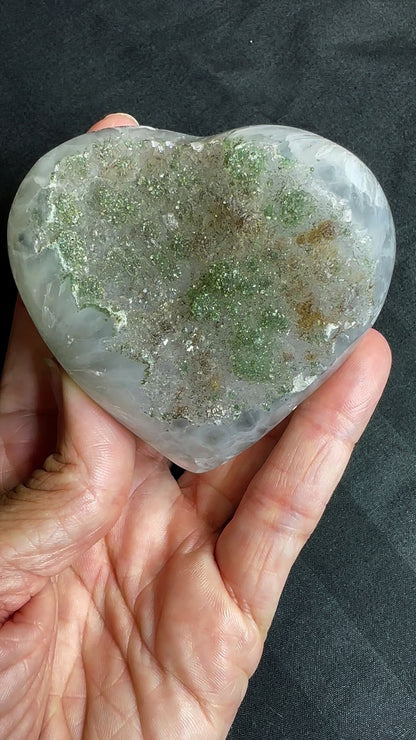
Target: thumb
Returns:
[68, 504]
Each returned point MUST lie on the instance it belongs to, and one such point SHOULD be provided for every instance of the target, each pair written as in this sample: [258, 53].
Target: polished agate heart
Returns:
[200, 288]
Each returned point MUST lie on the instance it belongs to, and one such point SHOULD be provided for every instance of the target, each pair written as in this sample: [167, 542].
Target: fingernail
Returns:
[55, 379]
[125, 115]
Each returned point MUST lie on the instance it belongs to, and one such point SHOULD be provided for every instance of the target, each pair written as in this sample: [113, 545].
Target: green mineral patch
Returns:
[72, 249]
[147, 228]
[221, 289]
[104, 152]
[166, 263]
[125, 166]
[294, 206]
[273, 318]
[121, 264]
[252, 350]
[215, 260]
[204, 304]
[182, 171]
[75, 166]
[178, 245]
[68, 208]
[114, 206]
[290, 207]
[89, 291]
[244, 161]
[156, 186]
[250, 364]
[169, 255]
[250, 336]
[285, 163]
[135, 145]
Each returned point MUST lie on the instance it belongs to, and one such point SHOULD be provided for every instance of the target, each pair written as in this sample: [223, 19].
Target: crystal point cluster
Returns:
[200, 288]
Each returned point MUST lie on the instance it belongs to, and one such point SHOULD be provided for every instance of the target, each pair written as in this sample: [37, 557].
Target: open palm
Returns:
[133, 605]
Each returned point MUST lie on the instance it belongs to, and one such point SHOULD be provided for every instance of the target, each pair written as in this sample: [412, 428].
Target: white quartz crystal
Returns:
[200, 288]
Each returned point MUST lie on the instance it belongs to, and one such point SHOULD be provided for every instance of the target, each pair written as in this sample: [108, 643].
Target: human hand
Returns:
[133, 605]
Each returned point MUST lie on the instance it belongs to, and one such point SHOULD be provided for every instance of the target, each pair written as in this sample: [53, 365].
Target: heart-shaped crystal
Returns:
[200, 288]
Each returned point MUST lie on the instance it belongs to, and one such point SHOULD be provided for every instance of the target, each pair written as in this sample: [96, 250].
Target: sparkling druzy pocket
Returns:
[200, 288]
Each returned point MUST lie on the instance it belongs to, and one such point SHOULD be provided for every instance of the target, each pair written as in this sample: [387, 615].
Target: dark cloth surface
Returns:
[340, 659]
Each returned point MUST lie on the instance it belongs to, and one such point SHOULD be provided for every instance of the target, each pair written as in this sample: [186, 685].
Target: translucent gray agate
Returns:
[199, 289]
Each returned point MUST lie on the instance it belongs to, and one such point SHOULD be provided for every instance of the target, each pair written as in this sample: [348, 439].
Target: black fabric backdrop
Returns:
[340, 660]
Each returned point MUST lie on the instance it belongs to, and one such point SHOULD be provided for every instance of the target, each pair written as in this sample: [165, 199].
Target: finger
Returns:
[217, 493]
[113, 120]
[27, 406]
[25, 384]
[68, 504]
[287, 497]
[26, 647]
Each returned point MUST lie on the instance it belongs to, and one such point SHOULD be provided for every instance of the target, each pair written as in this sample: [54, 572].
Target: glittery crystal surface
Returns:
[200, 288]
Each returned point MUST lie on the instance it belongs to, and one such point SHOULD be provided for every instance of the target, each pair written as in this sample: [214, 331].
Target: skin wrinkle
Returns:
[325, 448]
[187, 690]
[345, 420]
[116, 734]
[214, 520]
[264, 554]
[180, 549]
[111, 702]
[90, 498]
[39, 697]
[67, 695]
[27, 685]
[45, 735]
[15, 449]
[26, 413]
[161, 669]
[341, 428]
[263, 499]
[152, 655]
[29, 561]
[11, 405]
[140, 579]
[93, 699]
[99, 611]
[56, 465]
[329, 458]
[112, 573]
[26, 678]
[290, 492]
